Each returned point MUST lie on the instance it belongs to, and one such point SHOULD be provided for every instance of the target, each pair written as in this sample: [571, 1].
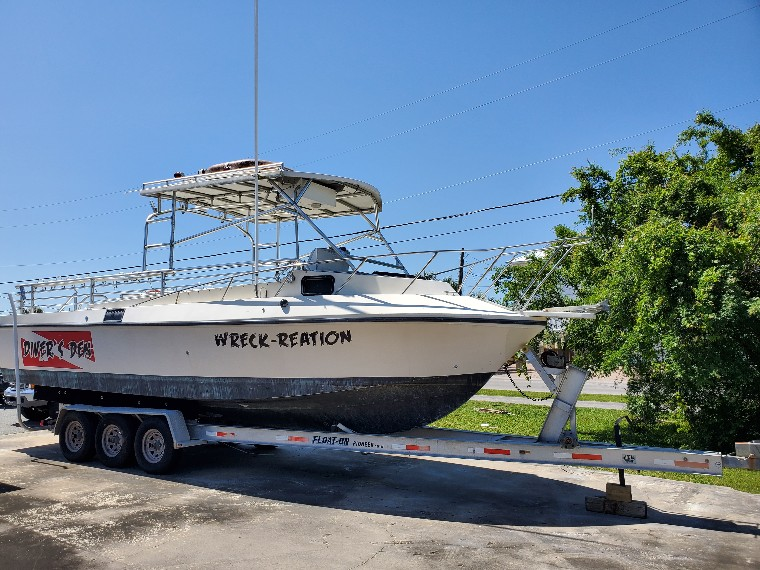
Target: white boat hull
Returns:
[315, 364]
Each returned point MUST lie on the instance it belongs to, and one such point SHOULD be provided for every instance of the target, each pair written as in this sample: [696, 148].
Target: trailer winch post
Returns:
[618, 499]
[619, 443]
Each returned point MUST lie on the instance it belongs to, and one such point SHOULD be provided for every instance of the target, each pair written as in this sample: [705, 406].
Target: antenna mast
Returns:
[256, 144]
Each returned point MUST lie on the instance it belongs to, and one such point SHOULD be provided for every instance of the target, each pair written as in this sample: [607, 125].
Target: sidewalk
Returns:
[547, 403]
[613, 384]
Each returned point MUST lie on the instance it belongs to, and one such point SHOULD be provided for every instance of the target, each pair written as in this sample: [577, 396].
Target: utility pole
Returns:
[461, 272]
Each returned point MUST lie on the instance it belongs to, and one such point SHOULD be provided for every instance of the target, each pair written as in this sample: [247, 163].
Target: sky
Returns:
[445, 107]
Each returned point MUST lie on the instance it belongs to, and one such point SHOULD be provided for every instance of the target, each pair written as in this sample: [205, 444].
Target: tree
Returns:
[673, 243]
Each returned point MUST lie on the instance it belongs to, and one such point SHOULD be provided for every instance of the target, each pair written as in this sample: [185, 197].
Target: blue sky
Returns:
[443, 106]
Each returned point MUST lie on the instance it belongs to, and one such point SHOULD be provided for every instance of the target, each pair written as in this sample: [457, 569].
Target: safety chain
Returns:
[549, 397]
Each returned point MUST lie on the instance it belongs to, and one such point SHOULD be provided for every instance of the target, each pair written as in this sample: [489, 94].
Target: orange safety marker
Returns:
[495, 451]
[693, 464]
[410, 447]
[590, 456]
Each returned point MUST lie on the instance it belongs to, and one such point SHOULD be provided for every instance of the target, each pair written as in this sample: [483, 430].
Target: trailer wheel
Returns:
[77, 437]
[114, 440]
[154, 446]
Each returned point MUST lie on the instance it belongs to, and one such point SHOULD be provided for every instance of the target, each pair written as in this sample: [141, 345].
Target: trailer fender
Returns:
[174, 418]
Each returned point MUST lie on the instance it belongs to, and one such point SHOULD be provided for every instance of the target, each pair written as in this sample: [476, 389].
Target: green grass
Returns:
[594, 424]
[739, 479]
[583, 397]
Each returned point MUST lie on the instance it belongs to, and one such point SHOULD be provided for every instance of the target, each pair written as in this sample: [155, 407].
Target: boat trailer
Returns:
[168, 431]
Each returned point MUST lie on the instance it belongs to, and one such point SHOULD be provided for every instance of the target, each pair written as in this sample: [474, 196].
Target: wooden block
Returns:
[617, 492]
[635, 509]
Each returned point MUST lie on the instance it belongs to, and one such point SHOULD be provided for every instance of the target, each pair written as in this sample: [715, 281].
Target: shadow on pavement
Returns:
[424, 488]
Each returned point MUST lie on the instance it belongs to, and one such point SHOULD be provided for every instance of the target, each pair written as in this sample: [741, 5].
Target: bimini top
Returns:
[229, 188]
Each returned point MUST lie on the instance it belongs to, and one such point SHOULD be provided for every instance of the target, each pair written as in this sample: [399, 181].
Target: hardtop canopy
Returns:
[231, 192]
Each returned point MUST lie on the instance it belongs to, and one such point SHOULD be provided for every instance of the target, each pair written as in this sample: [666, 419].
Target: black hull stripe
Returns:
[297, 321]
[222, 388]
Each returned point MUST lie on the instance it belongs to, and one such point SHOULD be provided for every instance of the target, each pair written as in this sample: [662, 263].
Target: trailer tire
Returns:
[77, 437]
[114, 440]
[154, 446]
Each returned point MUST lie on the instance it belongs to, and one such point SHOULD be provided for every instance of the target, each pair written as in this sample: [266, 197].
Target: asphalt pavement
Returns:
[308, 508]
[9, 421]
[295, 508]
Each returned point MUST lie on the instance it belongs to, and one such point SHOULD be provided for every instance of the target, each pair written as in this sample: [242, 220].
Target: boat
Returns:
[325, 340]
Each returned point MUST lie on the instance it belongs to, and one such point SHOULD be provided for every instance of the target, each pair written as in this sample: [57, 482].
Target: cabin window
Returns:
[318, 285]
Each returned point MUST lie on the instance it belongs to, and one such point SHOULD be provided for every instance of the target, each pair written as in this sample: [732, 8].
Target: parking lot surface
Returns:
[305, 508]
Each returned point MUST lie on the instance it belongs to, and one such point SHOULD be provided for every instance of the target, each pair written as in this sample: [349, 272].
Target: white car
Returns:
[31, 409]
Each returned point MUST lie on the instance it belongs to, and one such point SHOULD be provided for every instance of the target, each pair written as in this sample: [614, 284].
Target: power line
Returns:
[66, 220]
[444, 91]
[472, 81]
[472, 212]
[416, 195]
[388, 111]
[316, 239]
[72, 261]
[433, 190]
[400, 225]
[485, 227]
[522, 91]
[72, 201]
[563, 155]
[400, 241]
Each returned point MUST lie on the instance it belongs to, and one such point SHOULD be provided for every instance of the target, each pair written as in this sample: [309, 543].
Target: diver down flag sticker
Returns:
[58, 349]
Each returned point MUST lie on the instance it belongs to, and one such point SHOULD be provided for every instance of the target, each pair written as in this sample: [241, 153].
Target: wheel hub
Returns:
[74, 436]
[113, 440]
[153, 445]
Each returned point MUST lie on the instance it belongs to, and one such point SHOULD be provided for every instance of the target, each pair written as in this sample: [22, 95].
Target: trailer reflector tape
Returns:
[494, 451]
[589, 456]
[693, 464]
[410, 447]
[221, 433]
[489, 451]
[291, 438]
[683, 463]
[665, 462]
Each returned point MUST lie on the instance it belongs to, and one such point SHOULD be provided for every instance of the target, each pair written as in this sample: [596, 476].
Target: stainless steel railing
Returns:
[480, 268]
